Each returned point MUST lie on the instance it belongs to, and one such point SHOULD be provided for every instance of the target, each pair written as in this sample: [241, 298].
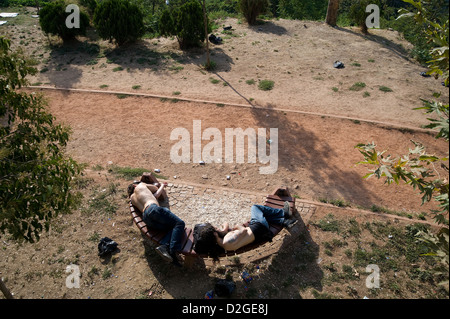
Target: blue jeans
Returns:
[266, 215]
[161, 218]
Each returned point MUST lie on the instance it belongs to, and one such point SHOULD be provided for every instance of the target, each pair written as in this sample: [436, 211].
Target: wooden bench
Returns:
[275, 200]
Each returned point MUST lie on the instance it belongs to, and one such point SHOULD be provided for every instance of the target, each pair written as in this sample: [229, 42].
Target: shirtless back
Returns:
[143, 196]
[236, 238]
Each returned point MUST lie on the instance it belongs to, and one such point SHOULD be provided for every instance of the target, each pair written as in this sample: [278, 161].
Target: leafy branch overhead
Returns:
[425, 172]
[417, 169]
[437, 33]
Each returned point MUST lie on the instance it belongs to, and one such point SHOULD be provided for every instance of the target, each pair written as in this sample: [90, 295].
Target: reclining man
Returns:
[257, 231]
[145, 198]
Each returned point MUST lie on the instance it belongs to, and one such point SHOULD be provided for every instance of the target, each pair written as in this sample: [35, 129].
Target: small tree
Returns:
[35, 174]
[186, 22]
[251, 9]
[120, 20]
[52, 19]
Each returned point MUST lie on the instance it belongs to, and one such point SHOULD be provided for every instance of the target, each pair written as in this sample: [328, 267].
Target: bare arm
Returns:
[224, 230]
[152, 188]
[158, 193]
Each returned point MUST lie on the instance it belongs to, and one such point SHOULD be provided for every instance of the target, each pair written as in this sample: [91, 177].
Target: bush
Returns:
[303, 9]
[119, 20]
[90, 5]
[186, 23]
[52, 19]
[251, 9]
[266, 85]
[358, 13]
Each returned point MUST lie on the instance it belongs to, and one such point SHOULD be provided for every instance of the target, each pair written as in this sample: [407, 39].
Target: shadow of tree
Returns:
[292, 269]
[268, 27]
[395, 48]
[233, 88]
[68, 61]
[141, 55]
[63, 65]
[179, 282]
[298, 146]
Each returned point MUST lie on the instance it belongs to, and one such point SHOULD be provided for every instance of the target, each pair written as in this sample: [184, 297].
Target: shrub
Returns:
[358, 86]
[266, 85]
[52, 19]
[251, 9]
[119, 20]
[385, 88]
[302, 9]
[358, 13]
[90, 5]
[185, 22]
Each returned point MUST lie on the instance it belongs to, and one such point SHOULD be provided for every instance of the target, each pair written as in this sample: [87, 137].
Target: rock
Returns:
[205, 176]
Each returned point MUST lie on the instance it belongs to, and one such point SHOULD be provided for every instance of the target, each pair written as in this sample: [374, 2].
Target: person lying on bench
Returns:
[258, 229]
[237, 237]
[145, 198]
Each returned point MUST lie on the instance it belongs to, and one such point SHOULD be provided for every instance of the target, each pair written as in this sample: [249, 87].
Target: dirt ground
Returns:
[316, 155]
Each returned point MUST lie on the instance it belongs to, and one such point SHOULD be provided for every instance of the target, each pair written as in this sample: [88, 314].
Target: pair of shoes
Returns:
[287, 210]
[163, 251]
[289, 223]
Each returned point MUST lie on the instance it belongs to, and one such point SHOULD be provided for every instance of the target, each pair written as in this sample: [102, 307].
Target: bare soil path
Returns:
[316, 155]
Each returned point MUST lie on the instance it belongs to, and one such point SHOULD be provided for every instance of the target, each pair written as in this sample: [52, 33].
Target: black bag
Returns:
[224, 288]
[215, 40]
[106, 246]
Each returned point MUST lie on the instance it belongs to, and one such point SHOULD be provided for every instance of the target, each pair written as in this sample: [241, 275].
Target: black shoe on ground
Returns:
[163, 251]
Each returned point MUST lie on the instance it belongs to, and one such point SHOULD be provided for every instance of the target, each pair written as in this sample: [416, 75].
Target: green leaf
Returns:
[428, 158]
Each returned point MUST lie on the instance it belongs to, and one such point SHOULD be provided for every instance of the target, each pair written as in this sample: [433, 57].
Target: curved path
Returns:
[249, 105]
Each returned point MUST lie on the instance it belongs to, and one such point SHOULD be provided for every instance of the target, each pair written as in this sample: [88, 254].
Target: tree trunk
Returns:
[332, 12]
[5, 290]
[205, 21]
